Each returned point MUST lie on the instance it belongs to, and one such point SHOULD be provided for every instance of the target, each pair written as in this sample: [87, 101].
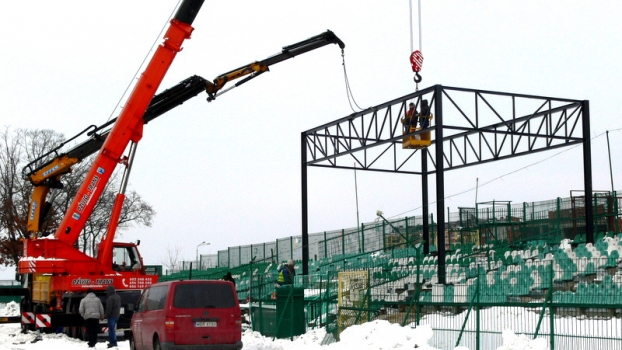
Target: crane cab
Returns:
[125, 257]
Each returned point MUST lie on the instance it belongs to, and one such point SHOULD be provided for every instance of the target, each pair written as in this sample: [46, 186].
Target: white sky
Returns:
[228, 172]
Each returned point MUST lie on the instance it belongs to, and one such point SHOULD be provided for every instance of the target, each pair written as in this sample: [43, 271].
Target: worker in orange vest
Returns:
[410, 119]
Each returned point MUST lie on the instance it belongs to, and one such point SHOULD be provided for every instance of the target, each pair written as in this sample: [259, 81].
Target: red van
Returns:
[187, 315]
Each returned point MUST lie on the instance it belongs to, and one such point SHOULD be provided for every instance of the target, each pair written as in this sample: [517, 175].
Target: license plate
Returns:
[205, 324]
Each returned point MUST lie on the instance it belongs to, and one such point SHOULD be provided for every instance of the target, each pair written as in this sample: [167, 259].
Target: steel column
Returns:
[587, 173]
[425, 201]
[440, 182]
[305, 215]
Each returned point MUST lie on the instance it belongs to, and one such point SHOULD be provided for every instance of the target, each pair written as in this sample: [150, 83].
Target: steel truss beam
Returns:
[478, 127]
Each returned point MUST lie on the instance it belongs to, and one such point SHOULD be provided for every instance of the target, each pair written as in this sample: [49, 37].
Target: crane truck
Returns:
[57, 273]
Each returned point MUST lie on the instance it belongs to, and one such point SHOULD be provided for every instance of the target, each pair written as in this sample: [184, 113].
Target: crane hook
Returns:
[417, 78]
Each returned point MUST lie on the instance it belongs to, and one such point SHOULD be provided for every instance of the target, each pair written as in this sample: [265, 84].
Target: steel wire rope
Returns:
[155, 42]
[506, 174]
[410, 13]
[410, 7]
[347, 82]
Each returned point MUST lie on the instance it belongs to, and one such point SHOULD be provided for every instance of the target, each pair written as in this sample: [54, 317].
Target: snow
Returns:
[513, 341]
[376, 335]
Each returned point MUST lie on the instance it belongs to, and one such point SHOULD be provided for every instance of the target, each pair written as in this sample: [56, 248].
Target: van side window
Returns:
[156, 298]
[142, 301]
[192, 296]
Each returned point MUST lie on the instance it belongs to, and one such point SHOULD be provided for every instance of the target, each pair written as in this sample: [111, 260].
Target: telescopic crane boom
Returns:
[259, 67]
[46, 171]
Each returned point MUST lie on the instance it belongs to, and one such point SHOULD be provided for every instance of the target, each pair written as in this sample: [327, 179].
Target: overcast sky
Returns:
[228, 172]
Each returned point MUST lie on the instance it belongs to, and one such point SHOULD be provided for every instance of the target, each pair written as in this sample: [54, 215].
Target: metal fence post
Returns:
[343, 242]
[558, 211]
[552, 324]
[615, 210]
[363, 238]
[325, 246]
[477, 309]
[406, 226]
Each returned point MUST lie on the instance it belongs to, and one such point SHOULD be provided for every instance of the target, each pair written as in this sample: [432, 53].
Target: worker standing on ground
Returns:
[113, 311]
[286, 274]
[285, 277]
[91, 310]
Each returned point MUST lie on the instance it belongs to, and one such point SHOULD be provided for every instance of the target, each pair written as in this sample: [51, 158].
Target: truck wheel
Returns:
[75, 333]
[27, 327]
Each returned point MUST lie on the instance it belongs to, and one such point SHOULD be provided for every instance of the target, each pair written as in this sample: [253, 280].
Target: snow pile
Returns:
[374, 335]
[511, 341]
[384, 335]
[11, 337]
[310, 340]
[10, 309]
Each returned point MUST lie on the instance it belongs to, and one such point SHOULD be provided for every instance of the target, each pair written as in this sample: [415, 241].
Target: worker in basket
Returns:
[424, 116]
[410, 119]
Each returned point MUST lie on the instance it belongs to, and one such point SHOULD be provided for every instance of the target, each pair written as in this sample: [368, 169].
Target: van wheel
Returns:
[132, 344]
[156, 344]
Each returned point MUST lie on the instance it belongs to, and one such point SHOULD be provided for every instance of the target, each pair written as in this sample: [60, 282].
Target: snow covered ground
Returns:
[372, 335]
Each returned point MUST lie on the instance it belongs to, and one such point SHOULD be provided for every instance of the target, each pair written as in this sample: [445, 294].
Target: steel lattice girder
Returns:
[477, 127]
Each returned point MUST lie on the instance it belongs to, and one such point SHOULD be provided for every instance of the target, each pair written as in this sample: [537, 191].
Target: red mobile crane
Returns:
[59, 273]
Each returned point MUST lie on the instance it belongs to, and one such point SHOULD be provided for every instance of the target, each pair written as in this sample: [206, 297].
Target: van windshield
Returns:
[204, 295]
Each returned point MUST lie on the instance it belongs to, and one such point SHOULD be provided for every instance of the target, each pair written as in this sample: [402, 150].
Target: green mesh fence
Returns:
[521, 266]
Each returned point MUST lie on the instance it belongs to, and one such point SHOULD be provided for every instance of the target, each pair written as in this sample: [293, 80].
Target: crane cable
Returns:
[348, 90]
[420, 57]
[155, 43]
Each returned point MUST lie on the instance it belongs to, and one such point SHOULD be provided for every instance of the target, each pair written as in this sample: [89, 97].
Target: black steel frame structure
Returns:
[474, 126]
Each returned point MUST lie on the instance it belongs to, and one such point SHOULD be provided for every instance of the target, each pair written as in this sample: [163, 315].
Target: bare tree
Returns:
[20, 147]
[172, 262]
[12, 213]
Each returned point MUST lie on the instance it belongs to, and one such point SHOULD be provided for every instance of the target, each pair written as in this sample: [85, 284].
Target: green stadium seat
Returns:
[448, 296]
